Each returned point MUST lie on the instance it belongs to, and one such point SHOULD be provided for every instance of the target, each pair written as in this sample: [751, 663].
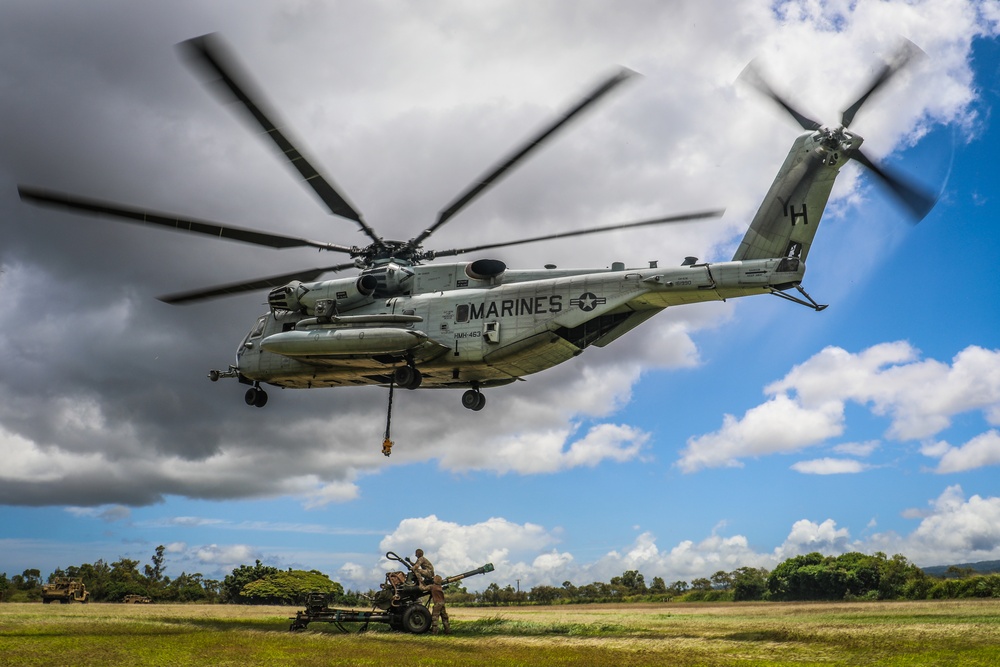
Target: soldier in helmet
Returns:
[422, 568]
[438, 609]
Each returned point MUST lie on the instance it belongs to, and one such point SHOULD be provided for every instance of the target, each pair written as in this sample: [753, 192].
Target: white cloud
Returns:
[952, 530]
[857, 448]
[227, 557]
[108, 513]
[921, 396]
[982, 450]
[807, 406]
[457, 548]
[829, 466]
[808, 536]
[780, 425]
[332, 492]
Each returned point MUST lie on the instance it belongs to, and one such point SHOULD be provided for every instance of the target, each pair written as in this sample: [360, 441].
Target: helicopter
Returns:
[405, 321]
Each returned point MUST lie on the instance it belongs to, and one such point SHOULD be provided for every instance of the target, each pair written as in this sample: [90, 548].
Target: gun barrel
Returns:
[479, 570]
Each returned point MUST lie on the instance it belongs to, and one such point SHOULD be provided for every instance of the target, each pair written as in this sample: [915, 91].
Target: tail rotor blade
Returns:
[904, 55]
[752, 76]
[915, 199]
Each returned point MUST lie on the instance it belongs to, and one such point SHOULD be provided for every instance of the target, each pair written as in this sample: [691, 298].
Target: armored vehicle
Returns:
[65, 590]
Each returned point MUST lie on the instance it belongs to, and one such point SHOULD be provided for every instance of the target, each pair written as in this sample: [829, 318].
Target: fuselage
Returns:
[463, 329]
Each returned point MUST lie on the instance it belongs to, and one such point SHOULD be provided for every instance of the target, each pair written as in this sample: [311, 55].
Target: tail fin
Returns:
[787, 220]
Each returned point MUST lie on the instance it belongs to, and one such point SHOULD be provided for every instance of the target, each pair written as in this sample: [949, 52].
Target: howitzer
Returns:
[400, 602]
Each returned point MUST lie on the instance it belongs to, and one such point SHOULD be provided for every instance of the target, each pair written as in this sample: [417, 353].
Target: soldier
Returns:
[422, 568]
[438, 610]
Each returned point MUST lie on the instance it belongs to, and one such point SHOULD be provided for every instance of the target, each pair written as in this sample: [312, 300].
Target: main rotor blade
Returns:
[250, 285]
[904, 55]
[490, 177]
[686, 217]
[61, 200]
[751, 75]
[210, 52]
[916, 199]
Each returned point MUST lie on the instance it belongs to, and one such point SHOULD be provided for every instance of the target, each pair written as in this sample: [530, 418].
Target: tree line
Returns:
[849, 576]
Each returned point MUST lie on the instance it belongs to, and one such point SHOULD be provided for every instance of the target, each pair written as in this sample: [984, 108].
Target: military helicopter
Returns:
[404, 322]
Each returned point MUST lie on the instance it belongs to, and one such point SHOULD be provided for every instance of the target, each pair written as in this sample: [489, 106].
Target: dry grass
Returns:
[891, 633]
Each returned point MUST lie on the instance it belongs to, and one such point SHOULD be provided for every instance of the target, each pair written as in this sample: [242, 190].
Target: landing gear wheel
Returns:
[416, 619]
[473, 400]
[261, 399]
[407, 377]
[255, 397]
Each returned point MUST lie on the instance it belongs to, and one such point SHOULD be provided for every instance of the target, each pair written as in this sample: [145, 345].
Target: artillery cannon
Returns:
[400, 602]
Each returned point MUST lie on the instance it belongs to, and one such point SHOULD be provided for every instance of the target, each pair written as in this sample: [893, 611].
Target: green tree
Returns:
[97, 578]
[658, 587]
[190, 588]
[789, 582]
[749, 583]
[634, 582]
[154, 571]
[30, 579]
[234, 582]
[124, 579]
[957, 572]
[722, 581]
[491, 595]
[545, 594]
[678, 588]
[701, 584]
[289, 587]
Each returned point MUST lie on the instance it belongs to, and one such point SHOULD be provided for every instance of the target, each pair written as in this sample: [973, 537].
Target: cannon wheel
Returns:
[416, 619]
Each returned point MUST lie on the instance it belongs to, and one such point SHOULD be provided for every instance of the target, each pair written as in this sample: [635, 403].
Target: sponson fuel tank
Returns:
[324, 342]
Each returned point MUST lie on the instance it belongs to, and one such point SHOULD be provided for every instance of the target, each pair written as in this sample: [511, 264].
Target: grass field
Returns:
[963, 633]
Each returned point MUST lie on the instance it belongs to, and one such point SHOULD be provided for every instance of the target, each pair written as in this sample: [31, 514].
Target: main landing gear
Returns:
[255, 396]
[473, 399]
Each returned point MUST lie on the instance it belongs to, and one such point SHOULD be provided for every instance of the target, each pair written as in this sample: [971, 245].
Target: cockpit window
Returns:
[258, 328]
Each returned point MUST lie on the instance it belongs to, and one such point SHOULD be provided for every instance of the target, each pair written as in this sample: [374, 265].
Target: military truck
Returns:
[137, 599]
[65, 590]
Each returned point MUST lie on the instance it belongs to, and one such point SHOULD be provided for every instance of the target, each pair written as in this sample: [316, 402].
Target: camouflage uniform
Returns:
[438, 609]
[422, 568]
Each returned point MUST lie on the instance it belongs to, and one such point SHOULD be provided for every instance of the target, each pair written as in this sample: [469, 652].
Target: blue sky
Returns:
[715, 436]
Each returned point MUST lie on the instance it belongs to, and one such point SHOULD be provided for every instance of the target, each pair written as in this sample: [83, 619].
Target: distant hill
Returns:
[982, 567]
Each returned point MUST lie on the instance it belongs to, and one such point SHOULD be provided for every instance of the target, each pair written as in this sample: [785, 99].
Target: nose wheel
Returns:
[255, 397]
[473, 399]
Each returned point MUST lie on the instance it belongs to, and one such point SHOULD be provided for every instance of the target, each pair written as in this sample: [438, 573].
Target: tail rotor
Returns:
[916, 200]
